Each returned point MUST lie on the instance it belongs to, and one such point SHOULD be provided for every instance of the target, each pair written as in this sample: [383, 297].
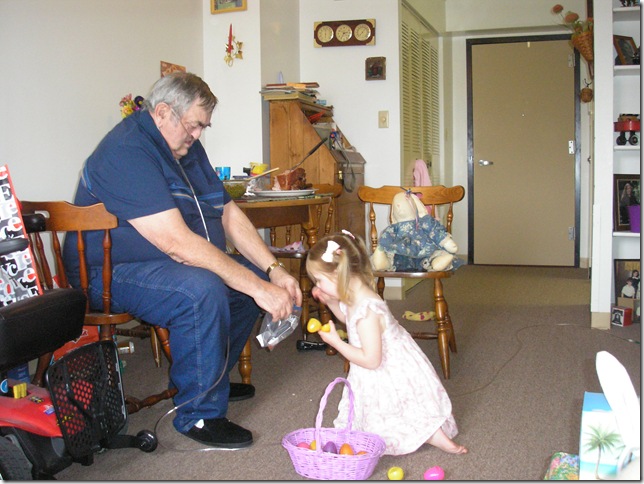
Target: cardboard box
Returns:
[634, 304]
[598, 427]
[621, 316]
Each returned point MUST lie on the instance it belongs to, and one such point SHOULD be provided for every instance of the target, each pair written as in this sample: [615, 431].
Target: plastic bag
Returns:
[272, 332]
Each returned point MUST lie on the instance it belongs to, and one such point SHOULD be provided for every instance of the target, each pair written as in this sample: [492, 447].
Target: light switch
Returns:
[383, 119]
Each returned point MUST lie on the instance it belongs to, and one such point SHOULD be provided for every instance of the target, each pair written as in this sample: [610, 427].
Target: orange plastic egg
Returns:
[362, 452]
[346, 449]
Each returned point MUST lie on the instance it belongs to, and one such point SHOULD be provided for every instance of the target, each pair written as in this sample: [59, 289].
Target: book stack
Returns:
[303, 91]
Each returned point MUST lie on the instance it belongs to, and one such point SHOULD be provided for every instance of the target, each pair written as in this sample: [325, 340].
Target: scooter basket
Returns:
[87, 393]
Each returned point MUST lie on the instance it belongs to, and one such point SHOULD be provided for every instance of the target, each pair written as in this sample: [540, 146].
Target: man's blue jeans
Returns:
[209, 325]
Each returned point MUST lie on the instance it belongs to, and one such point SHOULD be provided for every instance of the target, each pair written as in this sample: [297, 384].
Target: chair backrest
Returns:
[62, 217]
[435, 196]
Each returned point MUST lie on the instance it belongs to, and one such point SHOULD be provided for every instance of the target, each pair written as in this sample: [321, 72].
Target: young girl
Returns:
[397, 393]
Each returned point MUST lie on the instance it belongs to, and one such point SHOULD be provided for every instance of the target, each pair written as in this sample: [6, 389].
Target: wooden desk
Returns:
[278, 213]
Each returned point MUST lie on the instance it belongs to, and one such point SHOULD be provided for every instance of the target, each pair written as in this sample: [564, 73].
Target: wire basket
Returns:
[316, 464]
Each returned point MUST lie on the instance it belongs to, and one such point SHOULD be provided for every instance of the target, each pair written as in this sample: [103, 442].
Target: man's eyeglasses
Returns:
[194, 131]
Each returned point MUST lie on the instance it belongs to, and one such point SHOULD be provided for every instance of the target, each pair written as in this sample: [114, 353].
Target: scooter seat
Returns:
[38, 325]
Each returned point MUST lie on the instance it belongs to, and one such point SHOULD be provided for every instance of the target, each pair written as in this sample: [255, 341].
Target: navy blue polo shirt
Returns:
[132, 171]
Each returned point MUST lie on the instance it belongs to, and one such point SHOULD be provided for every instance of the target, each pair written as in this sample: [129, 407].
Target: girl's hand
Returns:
[332, 337]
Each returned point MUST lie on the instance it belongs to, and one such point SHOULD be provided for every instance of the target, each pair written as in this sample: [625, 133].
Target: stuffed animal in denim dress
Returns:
[415, 241]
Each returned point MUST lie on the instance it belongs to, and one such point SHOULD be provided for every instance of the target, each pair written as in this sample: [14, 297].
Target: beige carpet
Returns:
[526, 354]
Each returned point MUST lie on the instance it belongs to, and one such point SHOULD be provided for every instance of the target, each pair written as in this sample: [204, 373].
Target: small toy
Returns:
[415, 240]
[395, 474]
[313, 326]
[627, 123]
[435, 473]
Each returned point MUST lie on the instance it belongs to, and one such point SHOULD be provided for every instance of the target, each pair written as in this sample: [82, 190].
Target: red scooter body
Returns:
[33, 413]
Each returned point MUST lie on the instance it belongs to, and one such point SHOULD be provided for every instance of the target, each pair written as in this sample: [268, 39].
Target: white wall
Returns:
[341, 74]
[65, 67]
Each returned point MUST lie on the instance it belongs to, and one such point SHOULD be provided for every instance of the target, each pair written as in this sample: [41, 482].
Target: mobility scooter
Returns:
[82, 409]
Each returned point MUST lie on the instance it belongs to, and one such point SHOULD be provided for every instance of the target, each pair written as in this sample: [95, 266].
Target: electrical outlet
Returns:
[383, 119]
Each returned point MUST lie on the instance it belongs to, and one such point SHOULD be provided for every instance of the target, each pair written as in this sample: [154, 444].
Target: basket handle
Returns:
[327, 392]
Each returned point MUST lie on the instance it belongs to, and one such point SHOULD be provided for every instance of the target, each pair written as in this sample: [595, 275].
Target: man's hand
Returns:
[282, 278]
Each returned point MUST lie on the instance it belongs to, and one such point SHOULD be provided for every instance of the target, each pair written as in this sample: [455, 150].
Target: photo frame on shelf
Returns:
[225, 6]
[626, 192]
[626, 50]
[626, 276]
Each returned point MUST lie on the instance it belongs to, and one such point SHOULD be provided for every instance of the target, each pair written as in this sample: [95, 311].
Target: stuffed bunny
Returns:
[415, 241]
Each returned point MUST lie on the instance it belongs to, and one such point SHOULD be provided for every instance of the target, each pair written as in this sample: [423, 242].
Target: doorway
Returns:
[523, 164]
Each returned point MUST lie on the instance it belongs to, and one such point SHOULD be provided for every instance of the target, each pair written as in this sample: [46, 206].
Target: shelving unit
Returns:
[617, 90]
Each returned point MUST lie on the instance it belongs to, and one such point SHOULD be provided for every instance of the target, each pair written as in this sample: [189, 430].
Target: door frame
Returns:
[470, 140]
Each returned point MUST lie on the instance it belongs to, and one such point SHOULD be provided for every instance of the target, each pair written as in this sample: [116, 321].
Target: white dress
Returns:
[403, 400]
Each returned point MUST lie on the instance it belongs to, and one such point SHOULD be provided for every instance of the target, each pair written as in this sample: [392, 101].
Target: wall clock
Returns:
[338, 33]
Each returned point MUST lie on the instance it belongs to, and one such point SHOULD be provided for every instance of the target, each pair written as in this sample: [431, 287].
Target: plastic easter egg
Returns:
[330, 447]
[435, 473]
[395, 474]
[362, 452]
[312, 445]
[326, 328]
[313, 325]
[303, 445]
[346, 449]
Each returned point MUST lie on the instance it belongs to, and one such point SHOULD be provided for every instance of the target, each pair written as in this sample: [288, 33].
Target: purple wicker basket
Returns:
[316, 464]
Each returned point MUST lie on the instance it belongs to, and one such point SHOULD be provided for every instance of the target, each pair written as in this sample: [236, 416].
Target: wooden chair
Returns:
[62, 217]
[437, 197]
[300, 257]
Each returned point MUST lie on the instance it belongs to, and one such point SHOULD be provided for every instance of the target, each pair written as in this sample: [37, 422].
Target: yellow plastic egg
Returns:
[326, 328]
[395, 474]
[313, 325]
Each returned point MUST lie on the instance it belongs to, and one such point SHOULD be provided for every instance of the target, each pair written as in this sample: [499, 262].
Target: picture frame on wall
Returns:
[626, 192]
[626, 50]
[225, 6]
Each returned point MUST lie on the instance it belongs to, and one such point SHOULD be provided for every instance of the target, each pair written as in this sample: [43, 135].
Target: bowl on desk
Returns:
[238, 186]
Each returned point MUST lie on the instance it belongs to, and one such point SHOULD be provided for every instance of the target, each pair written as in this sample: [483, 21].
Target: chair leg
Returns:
[305, 287]
[39, 376]
[156, 347]
[444, 328]
[244, 365]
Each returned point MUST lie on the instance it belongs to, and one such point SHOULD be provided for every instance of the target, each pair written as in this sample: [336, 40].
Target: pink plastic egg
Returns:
[304, 445]
[435, 473]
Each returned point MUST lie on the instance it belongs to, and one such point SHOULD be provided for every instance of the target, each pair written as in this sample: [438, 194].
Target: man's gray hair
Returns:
[179, 90]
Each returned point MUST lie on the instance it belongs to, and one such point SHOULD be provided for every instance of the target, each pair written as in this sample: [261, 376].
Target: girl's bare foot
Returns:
[444, 443]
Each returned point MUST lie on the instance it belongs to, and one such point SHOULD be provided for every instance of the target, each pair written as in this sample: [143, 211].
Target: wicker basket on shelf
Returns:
[584, 44]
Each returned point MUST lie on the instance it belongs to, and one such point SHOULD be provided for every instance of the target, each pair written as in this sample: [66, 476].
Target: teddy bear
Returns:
[414, 241]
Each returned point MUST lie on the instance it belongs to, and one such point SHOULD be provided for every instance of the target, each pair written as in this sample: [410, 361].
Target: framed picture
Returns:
[626, 49]
[626, 192]
[225, 6]
[627, 279]
[375, 68]
[617, 316]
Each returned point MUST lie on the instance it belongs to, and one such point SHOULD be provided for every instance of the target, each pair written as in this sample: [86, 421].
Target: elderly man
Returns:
[171, 267]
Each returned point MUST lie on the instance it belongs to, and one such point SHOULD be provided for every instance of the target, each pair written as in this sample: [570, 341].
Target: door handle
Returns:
[485, 163]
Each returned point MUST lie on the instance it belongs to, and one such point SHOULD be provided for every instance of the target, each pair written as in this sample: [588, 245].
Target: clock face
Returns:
[344, 32]
[362, 32]
[324, 34]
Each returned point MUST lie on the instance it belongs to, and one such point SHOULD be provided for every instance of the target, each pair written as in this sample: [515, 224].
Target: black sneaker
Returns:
[221, 432]
[241, 391]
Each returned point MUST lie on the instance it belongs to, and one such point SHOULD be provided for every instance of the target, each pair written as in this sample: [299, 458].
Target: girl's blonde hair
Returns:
[349, 259]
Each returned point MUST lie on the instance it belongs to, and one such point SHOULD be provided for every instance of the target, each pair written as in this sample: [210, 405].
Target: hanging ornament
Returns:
[233, 48]
[586, 94]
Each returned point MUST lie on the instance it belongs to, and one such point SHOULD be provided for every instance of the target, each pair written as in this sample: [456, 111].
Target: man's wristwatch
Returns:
[273, 266]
